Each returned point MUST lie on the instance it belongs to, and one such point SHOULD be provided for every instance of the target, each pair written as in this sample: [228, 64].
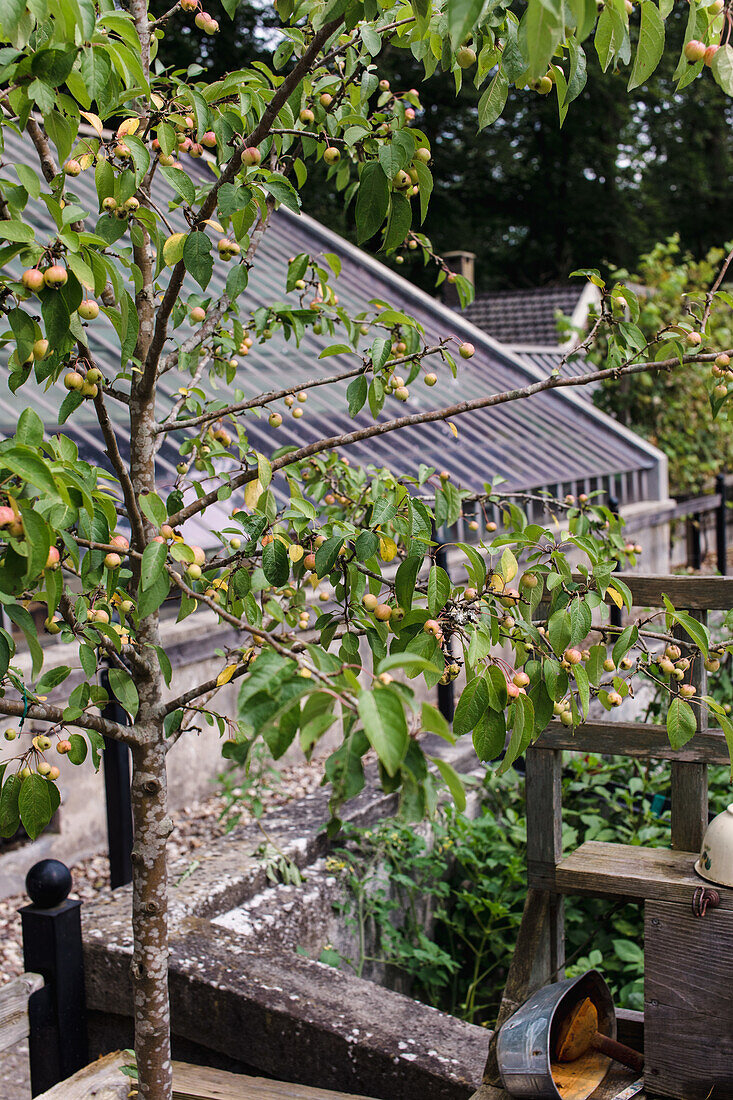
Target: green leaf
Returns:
[681, 724]
[30, 428]
[152, 597]
[544, 29]
[77, 754]
[283, 192]
[405, 580]
[31, 468]
[385, 726]
[153, 562]
[489, 735]
[197, 258]
[650, 46]
[327, 554]
[491, 103]
[462, 14]
[275, 563]
[439, 587]
[452, 781]
[9, 813]
[432, 721]
[372, 201]
[356, 394]
[722, 68]
[153, 508]
[626, 639]
[581, 680]
[399, 223]
[366, 545]
[181, 184]
[474, 701]
[36, 804]
[22, 619]
[123, 688]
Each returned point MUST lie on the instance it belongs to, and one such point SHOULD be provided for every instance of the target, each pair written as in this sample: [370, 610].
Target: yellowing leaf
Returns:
[225, 675]
[387, 548]
[453, 428]
[173, 249]
[214, 225]
[615, 596]
[128, 126]
[508, 566]
[295, 551]
[252, 493]
[94, 121]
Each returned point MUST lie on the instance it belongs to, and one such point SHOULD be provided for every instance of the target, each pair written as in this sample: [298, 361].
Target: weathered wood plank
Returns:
[202, 1083]
[543, 794]
[639, 739]
[101, 1080]
[14, 1008]
[688, 1002]
[690, 593]
[689, 782]
[625, 871]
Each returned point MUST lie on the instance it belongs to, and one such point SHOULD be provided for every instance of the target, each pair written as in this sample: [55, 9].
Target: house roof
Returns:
[527, 318]
[552, 440]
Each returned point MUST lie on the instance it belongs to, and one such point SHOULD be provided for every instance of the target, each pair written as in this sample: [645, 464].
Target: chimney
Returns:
[463, 264]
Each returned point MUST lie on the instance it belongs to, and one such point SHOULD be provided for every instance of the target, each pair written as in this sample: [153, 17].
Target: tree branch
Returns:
[45, 712]
[256, 137]
[336, 441]
[119, 466]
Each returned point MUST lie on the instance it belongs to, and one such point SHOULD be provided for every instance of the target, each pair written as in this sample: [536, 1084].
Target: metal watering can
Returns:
[529, 1044]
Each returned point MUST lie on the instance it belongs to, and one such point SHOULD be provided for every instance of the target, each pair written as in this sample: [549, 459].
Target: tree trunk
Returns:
[150, 921]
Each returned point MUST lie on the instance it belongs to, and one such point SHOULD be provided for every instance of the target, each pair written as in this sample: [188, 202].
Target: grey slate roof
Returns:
[554, 439]
[524, 316]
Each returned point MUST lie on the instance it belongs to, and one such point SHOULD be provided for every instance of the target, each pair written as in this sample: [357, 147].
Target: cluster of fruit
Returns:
[202, 19]
[86, 384]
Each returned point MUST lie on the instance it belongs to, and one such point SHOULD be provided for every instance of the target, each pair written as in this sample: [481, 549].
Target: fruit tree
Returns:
[102, 548]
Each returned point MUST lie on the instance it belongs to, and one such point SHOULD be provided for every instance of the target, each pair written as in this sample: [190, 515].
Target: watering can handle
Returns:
[619, 1052]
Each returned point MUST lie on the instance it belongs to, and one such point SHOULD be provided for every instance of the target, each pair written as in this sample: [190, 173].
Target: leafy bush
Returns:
[444, 908]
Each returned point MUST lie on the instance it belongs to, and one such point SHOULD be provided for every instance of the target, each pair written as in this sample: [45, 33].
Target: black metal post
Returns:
[720, 521]
[446, 694]
[52, 948]
[116, 759]
[693, 542]
[616, 616]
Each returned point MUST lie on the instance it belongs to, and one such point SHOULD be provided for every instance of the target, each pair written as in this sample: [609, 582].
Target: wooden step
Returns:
[629, 871]
[201, 1083]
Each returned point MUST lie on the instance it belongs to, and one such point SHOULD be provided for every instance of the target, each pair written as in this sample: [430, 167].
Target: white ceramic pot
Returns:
[716, 858]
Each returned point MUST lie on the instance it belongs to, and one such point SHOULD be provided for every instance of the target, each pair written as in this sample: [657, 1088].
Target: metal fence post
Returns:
[720, 521]
[446, 695]
[52, 948]
[116, 759]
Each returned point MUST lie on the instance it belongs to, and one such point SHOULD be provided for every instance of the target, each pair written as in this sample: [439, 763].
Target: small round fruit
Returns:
[40, 349]
[197, 315]
[73, 380]
[127, 607]
[694, 339]
[687, 690]
[384, 85]
[370, 601]
[432, 626]
[55, 276]
[251, 156]
[383, 612]
[113, 561]
[710, 53]
[306, 116]
[331, 155]
[62, 747]
[325, 100]
[614, 699]
[53, 558]
[529, 580]
[609, 665]
[10, 733]
[694, 50]
[88, 310]
[466, 350]
[274, 420]
[573, 656]
[466, 57]
[712, 665]
[194, 571]
[422, 154]
[430, 379]
[72, 168]
[33, 279]
[53, 773]
[209, 139]
[89, 389]
[297, 413]
[544, 85]
[521, 679]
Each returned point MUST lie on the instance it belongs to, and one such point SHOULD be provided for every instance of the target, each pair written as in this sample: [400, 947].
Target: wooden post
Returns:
[539, 955]
[689, 783]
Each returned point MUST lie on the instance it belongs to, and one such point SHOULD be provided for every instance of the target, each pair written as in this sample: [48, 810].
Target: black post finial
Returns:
[48, 883]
